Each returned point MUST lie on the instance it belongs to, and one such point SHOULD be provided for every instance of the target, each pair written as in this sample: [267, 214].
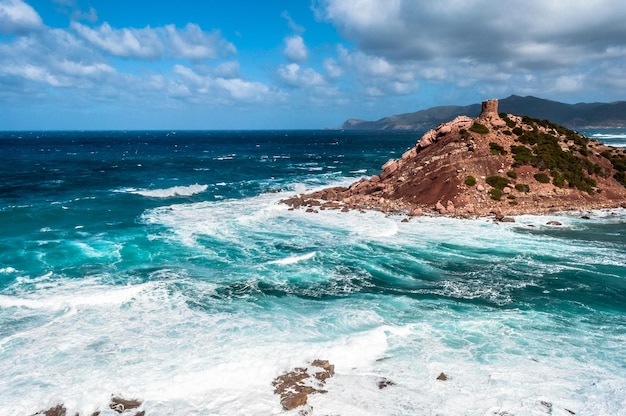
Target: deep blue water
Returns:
[161, 265]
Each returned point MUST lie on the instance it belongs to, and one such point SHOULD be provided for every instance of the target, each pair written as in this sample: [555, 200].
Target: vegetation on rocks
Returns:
[618, 160]
[503, 149]
[497, 182]
[510, 123]
[496, 149]
[546, 153]
[496, 194]
[479, 128]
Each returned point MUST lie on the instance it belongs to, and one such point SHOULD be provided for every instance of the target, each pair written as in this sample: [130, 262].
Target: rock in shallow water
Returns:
[294, 386]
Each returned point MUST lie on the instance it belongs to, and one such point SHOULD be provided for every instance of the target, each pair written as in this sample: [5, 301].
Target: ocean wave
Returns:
[169, 192]
[294, 259]
[609, 136]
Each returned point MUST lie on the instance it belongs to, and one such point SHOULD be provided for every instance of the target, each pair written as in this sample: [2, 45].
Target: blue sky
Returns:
[283, 64]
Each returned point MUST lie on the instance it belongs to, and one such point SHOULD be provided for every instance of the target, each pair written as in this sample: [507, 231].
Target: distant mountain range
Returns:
[570, 115]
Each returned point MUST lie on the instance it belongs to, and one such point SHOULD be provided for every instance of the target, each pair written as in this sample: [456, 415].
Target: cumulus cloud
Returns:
[534, 29]
[208, 88]
[190, 42]
[17, 17]
[137, 43]
[193, 43]
[473, 42]
[296, 76]
[379, 76]
[295, 49]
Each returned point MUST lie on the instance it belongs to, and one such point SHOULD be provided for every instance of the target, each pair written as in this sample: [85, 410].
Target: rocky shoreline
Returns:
[292, 388]
[495, 164]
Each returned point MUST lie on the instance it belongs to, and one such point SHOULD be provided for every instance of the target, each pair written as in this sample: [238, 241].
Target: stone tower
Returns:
[489, 114]
[489, 107]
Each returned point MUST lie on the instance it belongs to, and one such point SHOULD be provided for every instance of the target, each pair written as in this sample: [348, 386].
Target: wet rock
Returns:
[553, 223]
[294, 386]
[120, 405]
[58, 410]
[442, 377]
[507, 219]
[547, 406]
[383, 383]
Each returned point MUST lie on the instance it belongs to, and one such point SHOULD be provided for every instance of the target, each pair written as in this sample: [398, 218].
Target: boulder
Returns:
[294, 386]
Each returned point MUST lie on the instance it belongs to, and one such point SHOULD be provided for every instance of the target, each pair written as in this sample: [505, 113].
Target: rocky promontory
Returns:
[497, 163]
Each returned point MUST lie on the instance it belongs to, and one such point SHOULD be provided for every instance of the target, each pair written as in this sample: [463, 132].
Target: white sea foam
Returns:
[294, 259]
[173, 191]
[188, 347]
[609, 135]
[222, 361]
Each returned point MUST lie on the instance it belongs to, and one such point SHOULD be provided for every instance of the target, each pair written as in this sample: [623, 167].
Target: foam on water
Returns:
[195, 308]
[173, 191]
[222, 359]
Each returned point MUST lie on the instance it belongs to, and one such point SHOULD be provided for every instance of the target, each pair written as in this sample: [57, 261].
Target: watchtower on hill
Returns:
[490, 107]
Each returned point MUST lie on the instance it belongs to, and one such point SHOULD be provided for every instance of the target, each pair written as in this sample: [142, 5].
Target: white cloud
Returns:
[216, 89]
[528, 34]
[153, 43]
[292, 24]
[333, 69]
[17, 17]
[477, 44]
[295, 49]
[296, 76]
[138, 43]
[193, 43]
[377, 75]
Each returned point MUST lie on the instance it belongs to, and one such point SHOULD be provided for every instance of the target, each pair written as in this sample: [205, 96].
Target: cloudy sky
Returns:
[251, 64]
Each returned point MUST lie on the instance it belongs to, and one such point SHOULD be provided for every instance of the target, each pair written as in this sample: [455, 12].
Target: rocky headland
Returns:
[495, 164]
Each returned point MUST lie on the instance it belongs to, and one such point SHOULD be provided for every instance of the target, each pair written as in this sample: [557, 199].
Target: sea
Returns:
[162, 266]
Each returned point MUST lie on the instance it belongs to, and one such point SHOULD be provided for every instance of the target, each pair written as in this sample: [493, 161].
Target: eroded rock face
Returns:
[295, 386]
[432, 177]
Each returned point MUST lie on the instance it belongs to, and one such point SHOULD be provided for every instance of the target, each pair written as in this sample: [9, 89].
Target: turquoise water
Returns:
[161, 265]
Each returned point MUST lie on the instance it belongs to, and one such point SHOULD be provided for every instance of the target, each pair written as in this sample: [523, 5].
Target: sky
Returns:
[295, 64]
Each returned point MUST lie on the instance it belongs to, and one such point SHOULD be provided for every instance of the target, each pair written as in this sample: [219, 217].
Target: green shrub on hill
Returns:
[522, 187]
[470, 181]
[507, 120]
[518, 131]
[496, 149]
[546, 153]
[479, 128]
[619, 164]
[542, 177]
[496, 194]
[497, 182]
[512, 174]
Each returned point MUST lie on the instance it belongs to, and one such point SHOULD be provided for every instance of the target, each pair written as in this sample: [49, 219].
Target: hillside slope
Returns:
[569, 115]
[496, 163]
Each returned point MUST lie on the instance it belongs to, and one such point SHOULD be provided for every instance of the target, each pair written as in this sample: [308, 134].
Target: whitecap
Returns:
[294, 259]
[169, 192]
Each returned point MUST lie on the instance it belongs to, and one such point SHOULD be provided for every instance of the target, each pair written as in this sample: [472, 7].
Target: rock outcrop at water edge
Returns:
[495, 164]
